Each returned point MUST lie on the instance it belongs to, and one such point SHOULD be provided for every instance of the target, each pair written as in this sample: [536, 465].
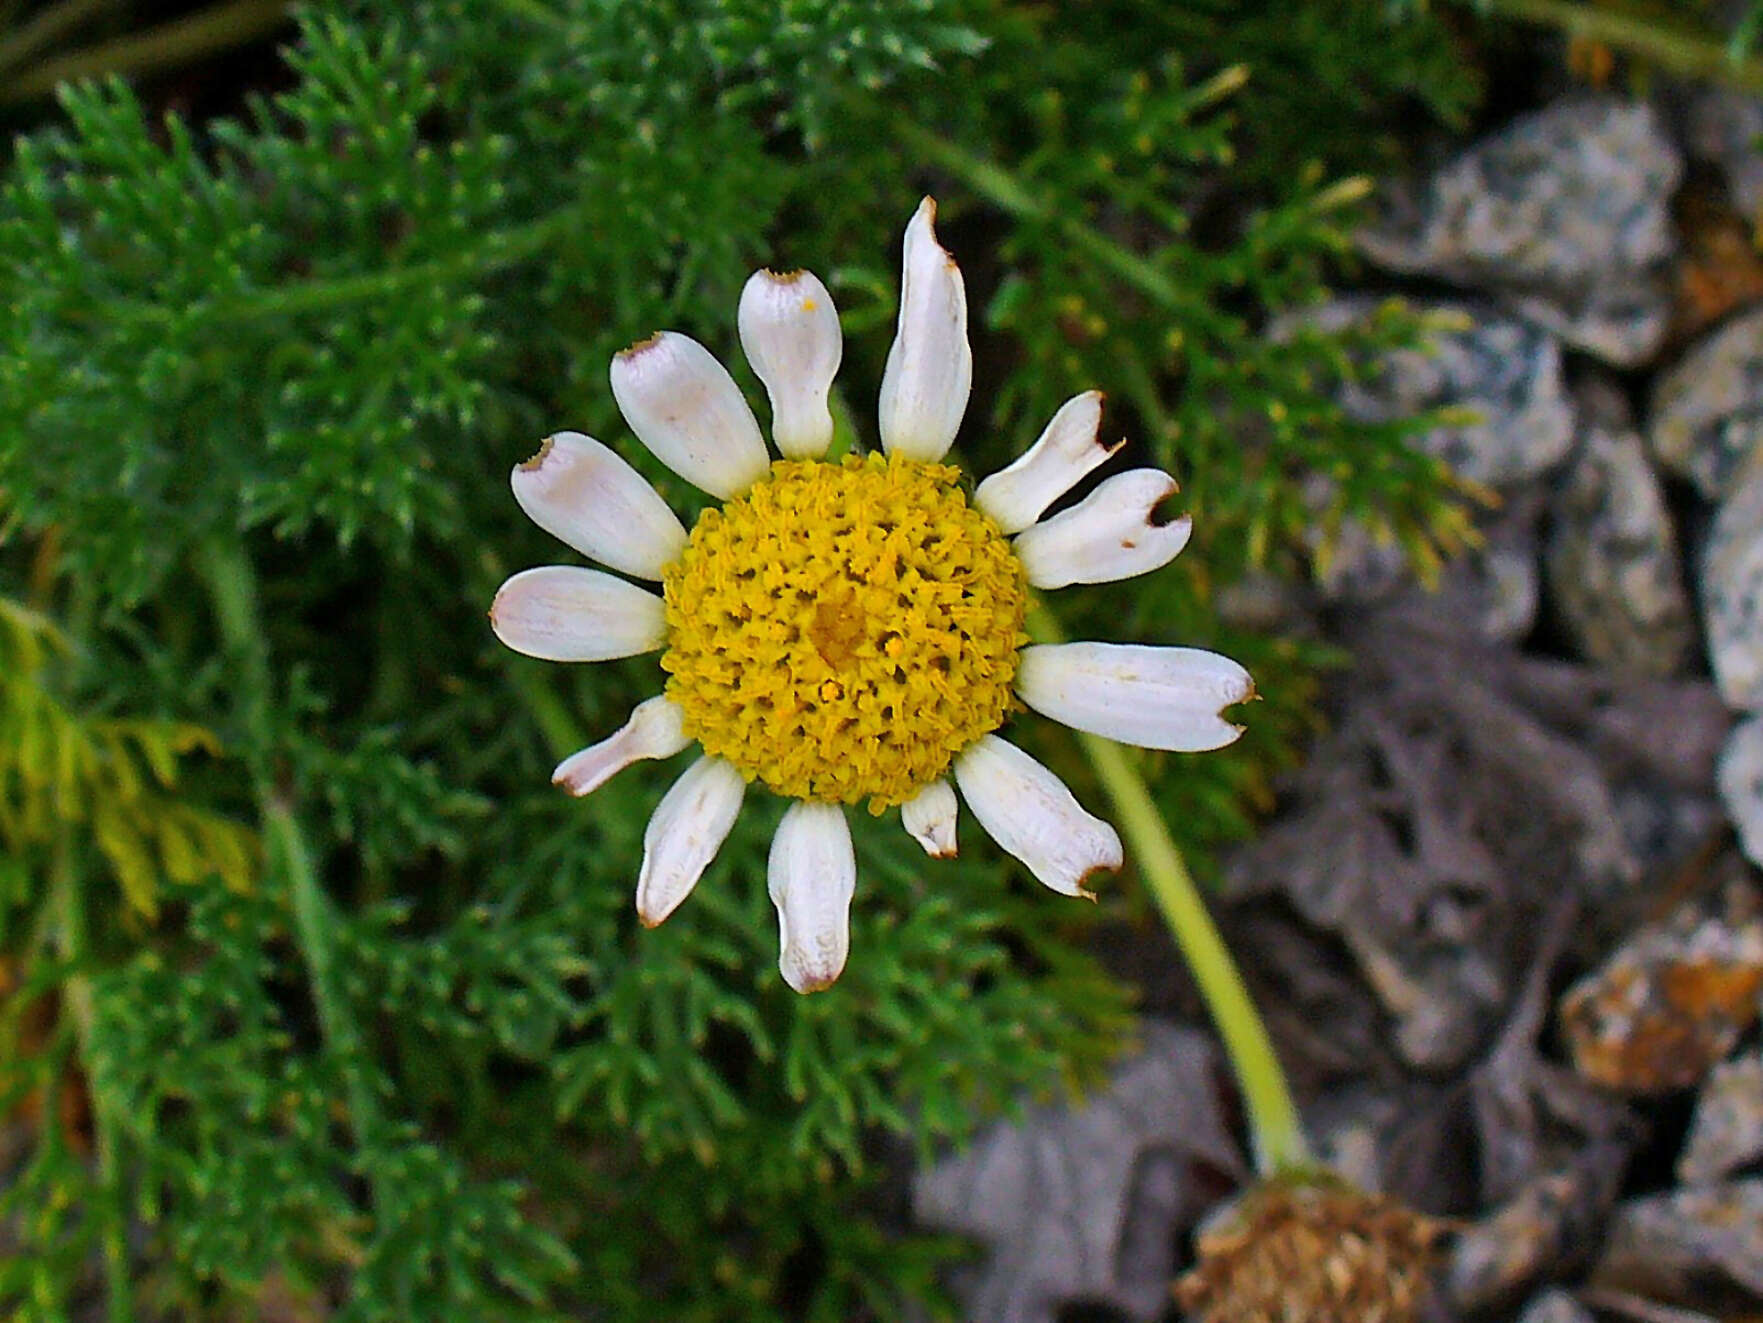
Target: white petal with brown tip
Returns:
[1069, 448]
[930, 365]
[567, 613]
[1108, 535]
[580, 492]
[684, 833]
[656, 729]
[1028, 811]
[1156, 698]
[790, 331]
[811, 876]
[929, 818]
[686, 408]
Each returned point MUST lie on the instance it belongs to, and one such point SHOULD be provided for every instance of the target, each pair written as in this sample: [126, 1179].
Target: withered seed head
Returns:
[1324, 1253]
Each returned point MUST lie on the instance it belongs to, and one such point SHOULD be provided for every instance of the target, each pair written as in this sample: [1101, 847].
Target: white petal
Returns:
[930, 818]
[1068, 449]
[579, 491]
[930, 366]
[1157, 698]
[812, 875]
[1106, 536]
[686, 408]
[656, 729]
[790, 331]
[684, 833]
[567, 613]
[1028, 811]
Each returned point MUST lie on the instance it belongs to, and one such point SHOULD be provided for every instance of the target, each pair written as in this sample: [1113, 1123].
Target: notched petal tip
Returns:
[636, 347]
[1101, 869]
[539, 457]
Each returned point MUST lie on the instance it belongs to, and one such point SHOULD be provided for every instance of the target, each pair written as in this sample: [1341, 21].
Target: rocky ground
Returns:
[1507, 924]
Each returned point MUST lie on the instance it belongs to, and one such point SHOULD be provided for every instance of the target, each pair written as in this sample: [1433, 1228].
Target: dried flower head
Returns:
[1323, 1253]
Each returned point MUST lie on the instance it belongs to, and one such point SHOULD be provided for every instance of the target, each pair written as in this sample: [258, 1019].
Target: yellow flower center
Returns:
[841, 631]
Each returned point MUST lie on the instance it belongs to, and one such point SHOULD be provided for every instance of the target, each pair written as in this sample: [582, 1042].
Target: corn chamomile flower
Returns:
[848, 631]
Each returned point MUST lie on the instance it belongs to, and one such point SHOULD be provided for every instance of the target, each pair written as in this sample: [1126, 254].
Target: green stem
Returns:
[494, 251]
[220, 28]
[45, 28]
[1006, 192]
[1683, 53]
[1276, 1132]
[67, 901]
[226, 567]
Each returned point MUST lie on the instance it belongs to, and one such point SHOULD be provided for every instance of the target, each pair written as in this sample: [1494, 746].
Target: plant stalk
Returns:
[1275, 1129]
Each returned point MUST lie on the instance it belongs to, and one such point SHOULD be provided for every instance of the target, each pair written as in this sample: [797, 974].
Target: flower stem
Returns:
[1276, 1132]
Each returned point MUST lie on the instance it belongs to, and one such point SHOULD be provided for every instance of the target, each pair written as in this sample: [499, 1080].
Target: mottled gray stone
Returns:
[1083, 1201]
[1732, 593]
[1706, 417]
[1613, 563]
[1501, 378]
[1678, 1246]
[1727, 1131]
[1564, 215]
[1740, 777]
[1555, 1306]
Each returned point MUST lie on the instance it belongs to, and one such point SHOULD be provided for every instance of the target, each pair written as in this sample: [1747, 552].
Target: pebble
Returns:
[1565, 214]
[1740, 776]
[1669, 1003]
[1706, 412]
[1726, 1132]
[1684, 1244]
[1555, 1306]
[1732, 594]
[1613, 564]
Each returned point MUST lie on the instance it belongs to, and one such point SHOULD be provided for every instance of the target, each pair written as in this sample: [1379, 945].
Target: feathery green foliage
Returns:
[261, 380]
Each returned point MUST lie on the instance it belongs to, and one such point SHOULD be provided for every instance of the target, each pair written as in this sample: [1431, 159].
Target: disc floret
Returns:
[842, 630]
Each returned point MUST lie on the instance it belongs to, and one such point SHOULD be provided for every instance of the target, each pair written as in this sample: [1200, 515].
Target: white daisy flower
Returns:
[851, 631]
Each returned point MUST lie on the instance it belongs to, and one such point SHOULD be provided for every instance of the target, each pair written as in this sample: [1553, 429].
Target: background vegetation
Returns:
[316, 991]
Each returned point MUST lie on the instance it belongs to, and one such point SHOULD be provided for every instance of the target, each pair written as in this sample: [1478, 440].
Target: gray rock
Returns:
[1681, 1245]
[1564, 215]
[1706, 413]
[1723, 127]
[1732, 593]
[1613, 564]
[1740, 777]
[1555, 1306]
[1084, 1201]
[1541, 1229]
[1727, 1131]
[1500, 377]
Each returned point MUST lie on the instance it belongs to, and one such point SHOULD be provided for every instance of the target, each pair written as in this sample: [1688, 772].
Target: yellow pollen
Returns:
[842, 630]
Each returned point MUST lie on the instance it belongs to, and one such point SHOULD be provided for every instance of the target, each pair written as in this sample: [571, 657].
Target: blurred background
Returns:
[318, 1001]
